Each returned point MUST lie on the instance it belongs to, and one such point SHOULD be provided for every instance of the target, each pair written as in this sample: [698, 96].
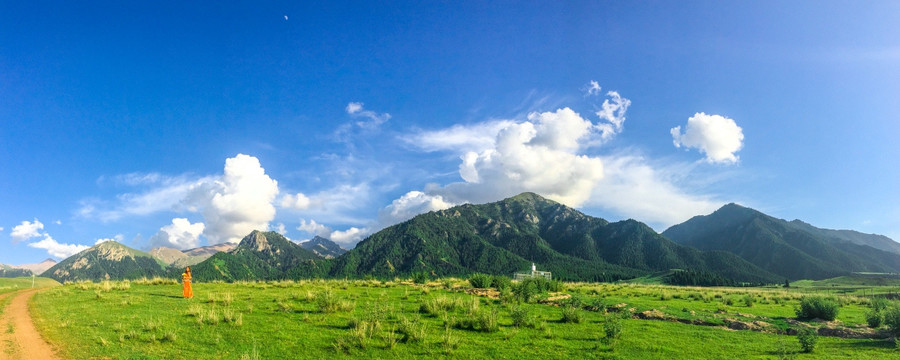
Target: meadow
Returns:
[448, 318]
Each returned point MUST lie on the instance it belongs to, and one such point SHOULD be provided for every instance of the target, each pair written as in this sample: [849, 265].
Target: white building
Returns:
[533, 274]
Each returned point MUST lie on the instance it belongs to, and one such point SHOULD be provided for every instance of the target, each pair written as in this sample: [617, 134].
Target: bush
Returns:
[807, 339]
[420, 277]
[892, 320]
[812, 307]
[571, 314]
[874, 318]
[520, 317]
[501, 282]
[612, 328]
[480, 281]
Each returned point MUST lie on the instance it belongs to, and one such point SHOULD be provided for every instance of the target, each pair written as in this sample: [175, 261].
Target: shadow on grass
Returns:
[167, 295]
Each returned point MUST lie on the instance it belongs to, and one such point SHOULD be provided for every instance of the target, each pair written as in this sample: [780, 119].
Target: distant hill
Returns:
[879, 242]
[323, 247]
[166, 254]
[9, 271]
[180, 259]
[793, 250]
[108, 260]
[38, 268]
[259, 256]
[507, 236]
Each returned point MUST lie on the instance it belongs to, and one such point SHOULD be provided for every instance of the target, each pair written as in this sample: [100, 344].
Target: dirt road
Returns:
[18, 337]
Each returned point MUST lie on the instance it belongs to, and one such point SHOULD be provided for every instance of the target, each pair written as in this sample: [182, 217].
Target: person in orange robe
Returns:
[186, 279]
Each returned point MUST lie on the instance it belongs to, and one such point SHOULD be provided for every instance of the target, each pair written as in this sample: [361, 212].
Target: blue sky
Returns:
[189, 124]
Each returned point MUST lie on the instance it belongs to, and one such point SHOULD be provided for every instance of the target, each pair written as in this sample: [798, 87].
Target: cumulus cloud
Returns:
[1, 228]
[714, 135]
[26, 230]
[539, 155]
[409, 205]
[350, 236]
[180, 234]
[297, 201]
[57, 250]
[356, 109]
[238, 202]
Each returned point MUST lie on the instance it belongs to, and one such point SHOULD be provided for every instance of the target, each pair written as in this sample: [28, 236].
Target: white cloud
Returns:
[635, 188]
[118, 238]
[313, 228]
[168, 194]
[57, 250]
[614, 113]
[539, 155]
[281, 229]
[57, 222]
[475, 137]
[180, 234]
[714, 135]
[409, 205]
[298, 201]
[593, 88]
[1, 228]
[356, 109]
[348, 237]
[26, 230]
[237, 203]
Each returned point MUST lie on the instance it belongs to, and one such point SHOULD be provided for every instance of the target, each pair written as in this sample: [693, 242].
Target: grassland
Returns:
[441, 319]
[19, 283]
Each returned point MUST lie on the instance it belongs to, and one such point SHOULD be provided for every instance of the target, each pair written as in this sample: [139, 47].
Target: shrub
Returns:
[571, 314]
[440, 304]
[520, 316]
[612, 329]
[807, 339]
[747, 300]
[501, 282]
[892, 320]
[879, 304]
[480, 281]
[420, 277]
[411, 330]
[812, 307]
[874, 318]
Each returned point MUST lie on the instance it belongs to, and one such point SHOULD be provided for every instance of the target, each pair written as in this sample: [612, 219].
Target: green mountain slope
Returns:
[787, 249]
[107, 261]
[259, 256]
[506, 236]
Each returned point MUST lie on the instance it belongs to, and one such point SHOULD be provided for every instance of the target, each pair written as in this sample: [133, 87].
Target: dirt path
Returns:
[18, 337]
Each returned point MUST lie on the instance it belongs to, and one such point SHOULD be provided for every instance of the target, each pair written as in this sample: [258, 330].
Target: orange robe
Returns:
[188, 291]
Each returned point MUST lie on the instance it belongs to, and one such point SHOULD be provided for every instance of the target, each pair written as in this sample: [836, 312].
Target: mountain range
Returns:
[794, 250]
[732, 245]
[27, 269]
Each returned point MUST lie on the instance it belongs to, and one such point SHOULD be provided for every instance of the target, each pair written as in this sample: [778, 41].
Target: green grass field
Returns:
[19, 283]
[374, 319]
